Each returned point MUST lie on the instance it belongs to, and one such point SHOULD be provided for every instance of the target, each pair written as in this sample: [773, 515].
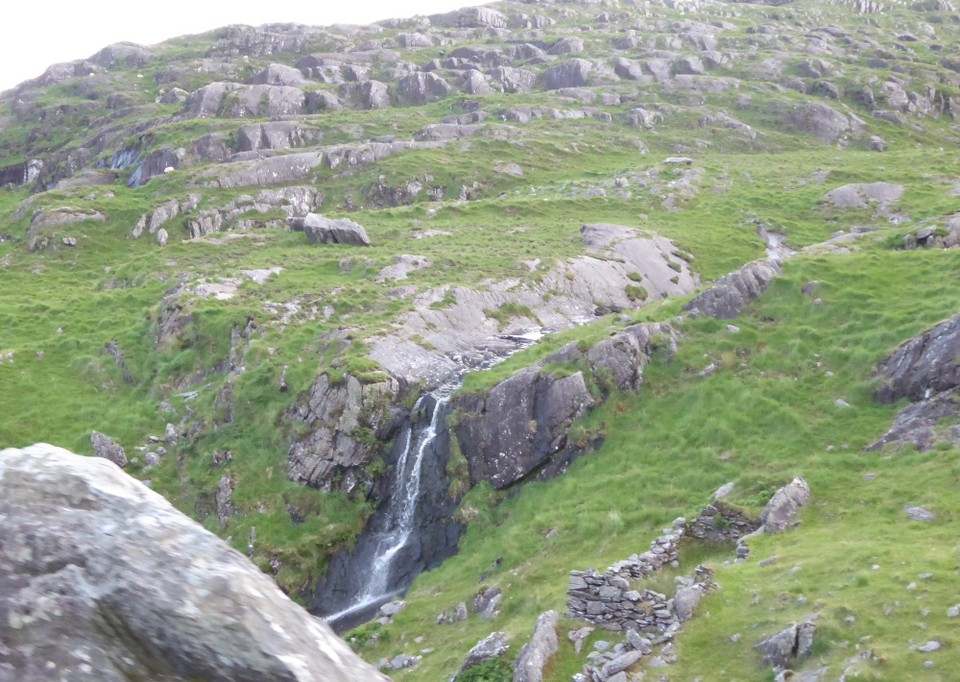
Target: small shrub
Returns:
[492, 670]
[635, 292]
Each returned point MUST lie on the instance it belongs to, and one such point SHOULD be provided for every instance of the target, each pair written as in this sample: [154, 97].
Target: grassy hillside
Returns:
[710, 124]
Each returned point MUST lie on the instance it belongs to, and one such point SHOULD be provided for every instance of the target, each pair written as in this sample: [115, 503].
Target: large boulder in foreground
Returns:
[102, 580]
[321, 230]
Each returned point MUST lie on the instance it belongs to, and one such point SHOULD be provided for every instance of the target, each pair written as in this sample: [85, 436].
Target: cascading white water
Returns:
[401, 514]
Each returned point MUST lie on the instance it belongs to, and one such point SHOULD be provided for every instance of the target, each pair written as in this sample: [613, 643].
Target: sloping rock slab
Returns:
[102, 580]
[462, 335]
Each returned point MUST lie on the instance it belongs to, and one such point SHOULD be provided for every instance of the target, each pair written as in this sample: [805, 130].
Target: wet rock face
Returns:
[519, 424]
[102, 580]
[433, 539]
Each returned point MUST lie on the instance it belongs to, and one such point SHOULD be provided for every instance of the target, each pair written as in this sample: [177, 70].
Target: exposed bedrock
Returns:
[923, 366]
[349, 423]
[926, 370]
[727, 297]
[453, 329]
[521, 426]
[104, 581]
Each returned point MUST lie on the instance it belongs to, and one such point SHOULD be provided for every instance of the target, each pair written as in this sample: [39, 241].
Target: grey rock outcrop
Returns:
[321, 230]
[535, 655]
[819, 120]
[730, 294]
[784, 505]
[106, 447]
[374, 95]
[278, 74]
[861, 195]
[333, 454]
[275, 135]
[926, 370]
[104, 581]
[470, 17]
[793, 643]
[422, 88]
[519, 425]
[493, 645]
[918, 423]
[156, 163]
[923, 366]
[572, 74]
[63, 215]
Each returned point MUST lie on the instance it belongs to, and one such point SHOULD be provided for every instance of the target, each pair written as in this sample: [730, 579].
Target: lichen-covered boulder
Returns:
[102, 580]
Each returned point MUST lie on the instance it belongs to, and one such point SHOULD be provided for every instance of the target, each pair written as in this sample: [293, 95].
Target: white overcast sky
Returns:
[37, 33]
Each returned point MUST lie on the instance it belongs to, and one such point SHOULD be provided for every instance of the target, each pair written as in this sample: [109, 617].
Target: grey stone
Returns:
[917, 423]
[930, 646]
[723, 490]
[535, 656]
[278, 74]
[496, 433]
[493, 645]
[566, 46]
[104, 446]
[115, 584]
[392, 608]
[374, 95]
[819, 120]
[686, 601]
[784, 504]
[777, 650]
[322, 230]
[330, 412]
[919, 514]
[223, 498]
[622, 662]
[63, 215]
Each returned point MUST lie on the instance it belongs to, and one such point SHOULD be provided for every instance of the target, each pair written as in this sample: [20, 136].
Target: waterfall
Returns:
[400, 516]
